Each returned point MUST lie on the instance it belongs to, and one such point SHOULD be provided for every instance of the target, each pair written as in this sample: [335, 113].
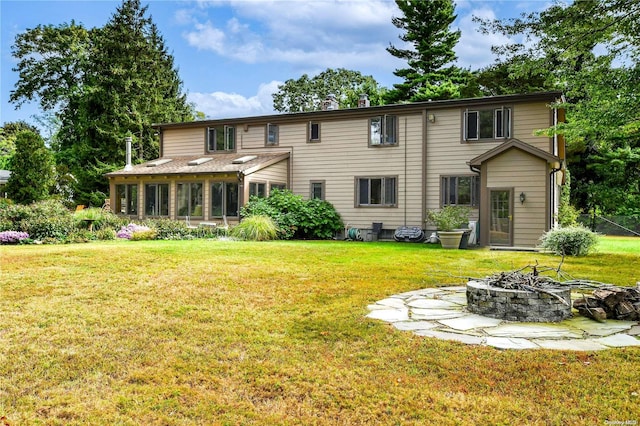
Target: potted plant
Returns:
[449, 221]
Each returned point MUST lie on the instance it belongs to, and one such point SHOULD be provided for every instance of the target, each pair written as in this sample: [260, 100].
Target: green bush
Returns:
[45, 221]
[98, 218]
[256, 228]
[148, 234]
[294, 217]
[105, 234]
[167, 229]
[570, 241]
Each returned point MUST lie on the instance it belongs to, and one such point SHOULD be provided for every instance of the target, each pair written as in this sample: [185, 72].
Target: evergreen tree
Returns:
[32, 169]
[123, 79]
[431, 73]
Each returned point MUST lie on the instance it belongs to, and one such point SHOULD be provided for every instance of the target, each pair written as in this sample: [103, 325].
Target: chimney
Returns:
[330, 103]
[363, 102]
[128, 166]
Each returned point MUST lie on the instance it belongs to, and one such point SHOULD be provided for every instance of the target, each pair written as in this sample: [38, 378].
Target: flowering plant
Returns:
[13, 237]
[128, 231]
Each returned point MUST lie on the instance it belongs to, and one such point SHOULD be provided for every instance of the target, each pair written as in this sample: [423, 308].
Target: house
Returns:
[383, 164]
[4, 178]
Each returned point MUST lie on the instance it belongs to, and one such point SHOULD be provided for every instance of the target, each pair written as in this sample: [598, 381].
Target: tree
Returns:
[118, 80]
[589, 50]
[32, 169]
[307, 94]
[431, 73]
[8, 141]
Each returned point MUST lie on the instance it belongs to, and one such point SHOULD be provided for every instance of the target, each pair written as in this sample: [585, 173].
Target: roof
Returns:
[204, 164]
[517, 144]
[413, 107]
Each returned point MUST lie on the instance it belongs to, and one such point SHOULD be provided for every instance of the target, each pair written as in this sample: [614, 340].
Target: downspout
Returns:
[404, 185]
[240, 177]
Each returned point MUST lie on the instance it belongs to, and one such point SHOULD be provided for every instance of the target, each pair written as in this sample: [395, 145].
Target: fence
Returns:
[612, 225]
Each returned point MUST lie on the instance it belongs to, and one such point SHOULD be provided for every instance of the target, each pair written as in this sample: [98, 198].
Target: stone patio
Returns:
[441, 313]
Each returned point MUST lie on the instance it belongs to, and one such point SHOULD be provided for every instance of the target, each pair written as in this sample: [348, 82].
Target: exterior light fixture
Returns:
[523, 197]
[432, 118]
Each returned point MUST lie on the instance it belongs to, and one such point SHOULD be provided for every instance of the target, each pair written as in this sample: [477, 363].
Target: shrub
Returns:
[147, 234]
[570, 241]
[294, 217]
[13, 237]
[98, 218]
[449, 217]
[105, 234]
[167, 229]
[47, 220]
[128, 231]
[256, 228]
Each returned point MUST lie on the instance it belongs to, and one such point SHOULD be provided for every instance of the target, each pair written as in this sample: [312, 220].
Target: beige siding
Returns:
[183, 142]
[275, 174]
[251, 136]
[530, 217]
[527, 118]
[344, 154]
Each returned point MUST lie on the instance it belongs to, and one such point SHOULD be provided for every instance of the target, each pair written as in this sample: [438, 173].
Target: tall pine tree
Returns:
[431, 72]
[124, 80]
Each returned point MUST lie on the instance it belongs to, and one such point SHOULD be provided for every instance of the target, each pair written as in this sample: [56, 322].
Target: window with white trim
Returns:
[487, 124]
[221, 138]
[376, 191]
[272, 135]
[460, 190]
[383, 130]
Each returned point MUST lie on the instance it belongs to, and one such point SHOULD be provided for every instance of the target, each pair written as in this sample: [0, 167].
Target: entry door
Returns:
[501, 217]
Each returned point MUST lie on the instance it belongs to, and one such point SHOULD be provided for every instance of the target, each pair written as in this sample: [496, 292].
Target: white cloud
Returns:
[206, 37]
[228, 105]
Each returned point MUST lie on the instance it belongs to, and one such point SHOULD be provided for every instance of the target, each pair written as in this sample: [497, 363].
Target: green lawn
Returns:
[222, 332]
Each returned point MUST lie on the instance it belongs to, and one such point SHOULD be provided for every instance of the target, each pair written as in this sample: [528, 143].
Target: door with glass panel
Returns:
[501, 217]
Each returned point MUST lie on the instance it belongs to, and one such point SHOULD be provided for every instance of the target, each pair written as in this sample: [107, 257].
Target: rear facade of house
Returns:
[385, 164]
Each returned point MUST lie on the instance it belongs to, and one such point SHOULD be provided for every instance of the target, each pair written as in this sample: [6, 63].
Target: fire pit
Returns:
[519, 297]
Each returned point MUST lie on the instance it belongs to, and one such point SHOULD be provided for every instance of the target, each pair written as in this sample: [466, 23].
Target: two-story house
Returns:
[387, 164]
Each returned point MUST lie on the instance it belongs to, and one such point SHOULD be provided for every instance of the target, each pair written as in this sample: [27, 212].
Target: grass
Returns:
[222, 332]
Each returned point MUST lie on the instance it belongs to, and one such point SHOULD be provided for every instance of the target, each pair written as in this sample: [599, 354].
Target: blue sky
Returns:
[232, 55]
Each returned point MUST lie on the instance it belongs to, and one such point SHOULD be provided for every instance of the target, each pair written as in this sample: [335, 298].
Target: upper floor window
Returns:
[460, 190]
[383, 130]
[492, 123]
[376, 191]
[272, 134]
[314, 131]
[221, 138]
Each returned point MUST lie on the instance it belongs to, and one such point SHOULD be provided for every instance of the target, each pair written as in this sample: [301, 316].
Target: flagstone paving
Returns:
[441, 313]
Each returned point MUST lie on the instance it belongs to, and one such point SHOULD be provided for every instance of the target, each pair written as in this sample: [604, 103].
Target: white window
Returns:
[383, 130]
[222, 138]
[272, 134]
[487, 124]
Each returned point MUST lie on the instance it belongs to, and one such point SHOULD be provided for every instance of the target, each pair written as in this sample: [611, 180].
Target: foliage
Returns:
[449, 217]
[119, 333]
[567, 213]
[431, 73]
[45, 220]
[307, 94]
[8, 141]
[32, 169]
[129, 232]
[589, 50]
[570, 241]
[167, 229]
[255, 228]
[105, 84]
[13, 237]
[294, 217]
[99, 218]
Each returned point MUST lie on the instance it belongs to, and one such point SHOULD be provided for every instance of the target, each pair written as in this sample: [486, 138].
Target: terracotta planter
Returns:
[450, 239]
